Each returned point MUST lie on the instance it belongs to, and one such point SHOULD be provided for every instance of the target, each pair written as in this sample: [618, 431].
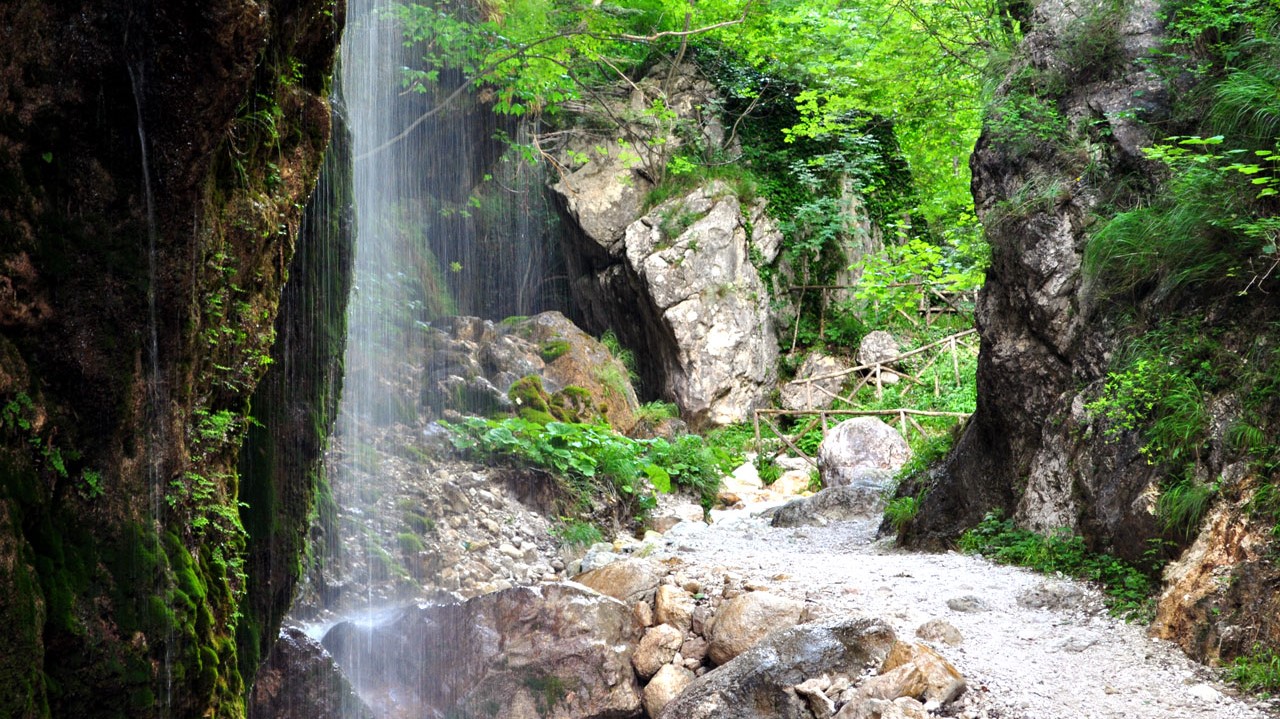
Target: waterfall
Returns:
[156, 394]
[449, 221]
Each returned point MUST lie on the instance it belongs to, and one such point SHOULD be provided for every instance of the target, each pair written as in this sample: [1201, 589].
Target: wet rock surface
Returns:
[300, 680]
[556, 650]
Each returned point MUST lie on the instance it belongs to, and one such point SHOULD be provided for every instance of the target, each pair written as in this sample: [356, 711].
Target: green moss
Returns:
[553, 350]
[409, 543]
[527, 393]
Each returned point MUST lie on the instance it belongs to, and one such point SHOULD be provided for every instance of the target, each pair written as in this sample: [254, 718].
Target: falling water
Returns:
[156, 400]
[448, 221]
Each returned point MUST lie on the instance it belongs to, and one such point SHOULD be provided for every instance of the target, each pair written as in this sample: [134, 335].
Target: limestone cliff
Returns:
[154, 163]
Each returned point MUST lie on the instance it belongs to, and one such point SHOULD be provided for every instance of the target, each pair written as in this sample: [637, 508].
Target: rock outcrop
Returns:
[676, 283]
[556, 650]
[679, 282]
[155, 159]
[1043, 338]
[472, 365]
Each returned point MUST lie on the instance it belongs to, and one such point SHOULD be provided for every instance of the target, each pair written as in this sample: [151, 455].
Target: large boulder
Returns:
[299, 680]
[627, 580]
[554, 650]
[861, 452]
[756, 684]
[833, 504]
[748, 618]
[816, 385]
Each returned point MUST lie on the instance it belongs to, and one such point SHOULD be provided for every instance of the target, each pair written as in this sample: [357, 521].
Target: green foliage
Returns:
[1257, 672]
[656, 412]
[592, 460]
[576, 533]
[1182, 506]
[1129, 591]
[553, 350]
[926, 454]
[901, 510]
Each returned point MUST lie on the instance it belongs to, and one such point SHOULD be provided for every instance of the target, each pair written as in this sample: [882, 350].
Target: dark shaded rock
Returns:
[154, 162]
[754, 685]
[555, 650]
[299, 680]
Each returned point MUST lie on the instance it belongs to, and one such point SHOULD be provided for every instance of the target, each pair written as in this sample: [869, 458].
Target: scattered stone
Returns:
[1205, 693]
[901, 708]
[940, 630]
[791, 483]
[814, 692]
[858, 452]
[914, 670]
[694, 648]
[643, 613]
[674, 606]
[746, 619]
[968, 604]
[665, 686]
[659, 646]
[1053, 595]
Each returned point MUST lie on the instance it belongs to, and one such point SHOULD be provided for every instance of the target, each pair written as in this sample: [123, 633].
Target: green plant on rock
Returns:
[901, 511]
[1129, 591]
[1257, 672]
[576, 534]
[1182, 506]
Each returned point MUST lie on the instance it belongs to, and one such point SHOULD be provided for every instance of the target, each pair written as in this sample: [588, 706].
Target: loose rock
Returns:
[745, 619]
[658, 647]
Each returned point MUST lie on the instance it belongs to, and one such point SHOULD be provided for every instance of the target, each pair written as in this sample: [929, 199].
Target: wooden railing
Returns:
[948, 345]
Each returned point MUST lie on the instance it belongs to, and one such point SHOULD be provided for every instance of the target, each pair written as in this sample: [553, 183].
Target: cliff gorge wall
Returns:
[1060, 157]
[154, 163]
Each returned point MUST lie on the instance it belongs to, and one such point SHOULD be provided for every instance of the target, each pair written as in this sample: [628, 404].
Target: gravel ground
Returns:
[1067, 660]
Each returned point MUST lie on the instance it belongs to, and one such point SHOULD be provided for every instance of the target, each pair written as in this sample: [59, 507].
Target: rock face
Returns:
[676, 284]
[861, 452]
[757, 684]
[1043, 338]
[148, 218]
[557, 650]
[300, 681]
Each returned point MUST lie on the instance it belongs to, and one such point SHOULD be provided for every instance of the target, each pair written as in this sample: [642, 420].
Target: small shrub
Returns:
[1182, 506]
[656, 412]
[1258, 671]
[901, 511]
[577, 534]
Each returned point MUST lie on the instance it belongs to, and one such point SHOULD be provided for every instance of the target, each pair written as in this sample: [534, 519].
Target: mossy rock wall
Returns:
[154, 162]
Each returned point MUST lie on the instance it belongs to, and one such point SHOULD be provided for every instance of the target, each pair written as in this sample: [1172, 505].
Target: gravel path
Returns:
[1068, 660]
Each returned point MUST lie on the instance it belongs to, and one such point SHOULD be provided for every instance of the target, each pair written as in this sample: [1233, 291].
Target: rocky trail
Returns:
[1032, 647]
